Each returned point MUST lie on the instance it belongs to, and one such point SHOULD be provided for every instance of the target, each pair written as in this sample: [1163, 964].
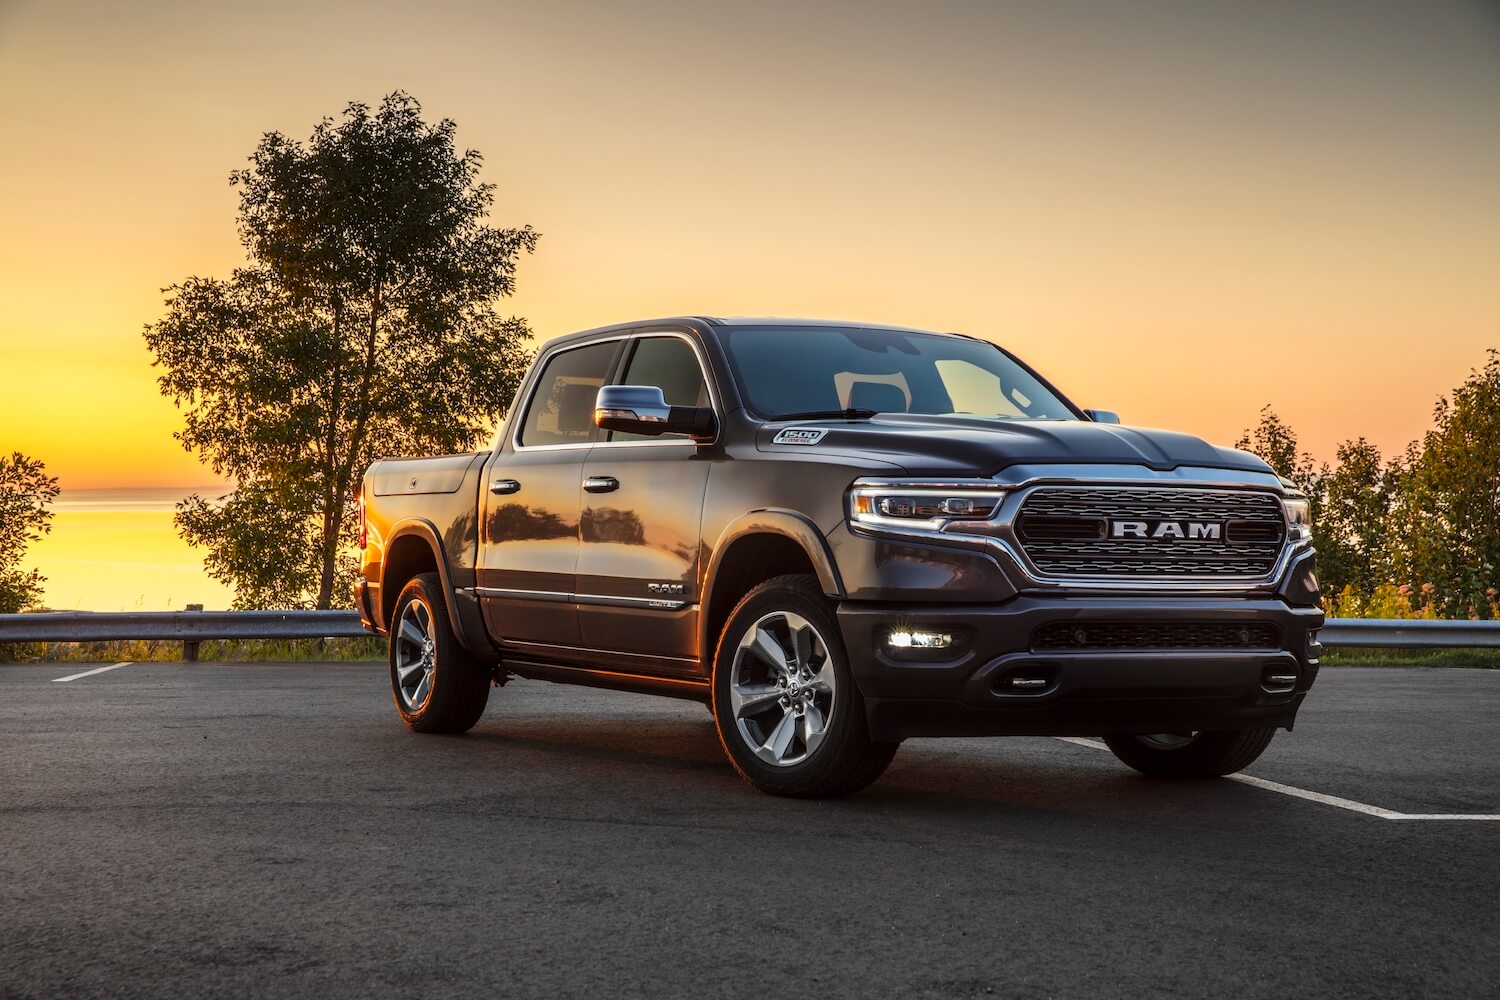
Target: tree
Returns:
[1453, 505]
[363, 324]
[1276, 442]
[25, 492]
[1352, 529]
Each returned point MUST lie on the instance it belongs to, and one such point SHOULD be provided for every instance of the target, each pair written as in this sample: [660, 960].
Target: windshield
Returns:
[787, 370]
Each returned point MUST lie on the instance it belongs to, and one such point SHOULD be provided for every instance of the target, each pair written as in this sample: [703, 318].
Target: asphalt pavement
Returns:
[273, 830]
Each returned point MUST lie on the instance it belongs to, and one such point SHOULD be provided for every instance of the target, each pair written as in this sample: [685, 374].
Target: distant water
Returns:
[144, 500]
[117, 550]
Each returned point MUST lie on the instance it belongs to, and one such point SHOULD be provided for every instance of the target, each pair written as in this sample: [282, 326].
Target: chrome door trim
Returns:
[602, 600]
[551, 596]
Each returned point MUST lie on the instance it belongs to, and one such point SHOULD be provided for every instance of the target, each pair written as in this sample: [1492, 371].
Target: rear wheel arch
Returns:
[756, 547]
[414, 547]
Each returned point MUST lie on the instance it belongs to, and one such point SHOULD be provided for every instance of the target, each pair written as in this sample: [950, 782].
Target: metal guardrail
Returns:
[189, 626]
[1409, 633]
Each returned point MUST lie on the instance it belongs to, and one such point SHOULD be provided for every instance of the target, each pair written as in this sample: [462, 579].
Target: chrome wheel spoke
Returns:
[781, 737]
[412, 632]
[768, 648]
[802, 645]
[754, 700]
[420, 694]
[823, 680]
[406, 672]
[813, 726]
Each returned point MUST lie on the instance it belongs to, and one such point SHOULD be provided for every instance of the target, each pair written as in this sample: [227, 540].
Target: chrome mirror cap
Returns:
[1103, 416]
[644, 403]
[642, 409]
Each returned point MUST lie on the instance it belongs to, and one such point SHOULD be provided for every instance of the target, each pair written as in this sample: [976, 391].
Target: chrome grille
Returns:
[1066, 532]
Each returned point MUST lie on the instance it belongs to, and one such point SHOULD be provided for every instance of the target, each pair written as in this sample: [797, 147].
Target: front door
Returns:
[638, 563]
[529, 534]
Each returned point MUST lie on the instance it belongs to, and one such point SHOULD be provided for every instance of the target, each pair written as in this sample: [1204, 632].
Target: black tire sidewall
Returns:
[456, 683]
[1211, 755]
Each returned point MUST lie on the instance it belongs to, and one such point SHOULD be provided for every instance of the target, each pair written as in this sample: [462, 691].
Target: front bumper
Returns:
[971, 690]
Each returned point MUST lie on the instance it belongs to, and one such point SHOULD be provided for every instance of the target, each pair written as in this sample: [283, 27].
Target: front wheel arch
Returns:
[756, 547]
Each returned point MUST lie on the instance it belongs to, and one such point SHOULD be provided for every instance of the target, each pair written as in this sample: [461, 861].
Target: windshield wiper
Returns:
[852, 413]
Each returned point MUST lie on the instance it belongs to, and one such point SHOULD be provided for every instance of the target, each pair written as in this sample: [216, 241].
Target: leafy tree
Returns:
[1276, 442]
[1450, 514]
[1352, 529]
[363, 324]
[25, 492]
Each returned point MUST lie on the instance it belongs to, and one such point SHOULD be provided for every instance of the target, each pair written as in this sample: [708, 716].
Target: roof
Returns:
[732, 322]
[804, 321]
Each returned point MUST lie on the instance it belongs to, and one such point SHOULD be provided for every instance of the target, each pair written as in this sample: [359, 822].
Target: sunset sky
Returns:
[1177, 210]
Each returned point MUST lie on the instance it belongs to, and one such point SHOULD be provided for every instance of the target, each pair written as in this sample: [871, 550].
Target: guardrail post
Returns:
[190, 646]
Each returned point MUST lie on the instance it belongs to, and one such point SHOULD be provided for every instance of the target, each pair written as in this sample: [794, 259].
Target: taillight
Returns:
[364, 529]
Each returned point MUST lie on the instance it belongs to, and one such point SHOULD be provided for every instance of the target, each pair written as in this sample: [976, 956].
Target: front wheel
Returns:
[1191, 755]
[437, 686]
[787, 710]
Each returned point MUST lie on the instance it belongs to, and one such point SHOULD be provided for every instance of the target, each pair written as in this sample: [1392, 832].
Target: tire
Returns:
[768, 714]
[1191, 755]
[445, 688]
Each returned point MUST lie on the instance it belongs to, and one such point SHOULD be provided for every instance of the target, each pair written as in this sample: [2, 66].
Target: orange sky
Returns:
[1178, 210]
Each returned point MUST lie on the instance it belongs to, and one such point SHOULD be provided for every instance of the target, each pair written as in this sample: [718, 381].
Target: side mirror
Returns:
[642, 409]
[1103, 416]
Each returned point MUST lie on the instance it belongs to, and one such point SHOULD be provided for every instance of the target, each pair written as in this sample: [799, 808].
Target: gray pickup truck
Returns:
[838, 536]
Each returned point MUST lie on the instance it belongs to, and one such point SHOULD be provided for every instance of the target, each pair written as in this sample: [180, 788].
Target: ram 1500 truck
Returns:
[838, 536]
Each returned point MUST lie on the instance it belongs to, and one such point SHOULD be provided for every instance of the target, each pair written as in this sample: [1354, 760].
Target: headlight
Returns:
[923, 506]
[1298, 519]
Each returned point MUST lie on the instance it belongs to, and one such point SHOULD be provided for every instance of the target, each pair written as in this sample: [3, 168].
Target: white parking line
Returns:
[90, 673]
[1327, 800]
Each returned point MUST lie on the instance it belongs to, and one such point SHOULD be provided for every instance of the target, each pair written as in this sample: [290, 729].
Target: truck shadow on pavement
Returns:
[671, 758]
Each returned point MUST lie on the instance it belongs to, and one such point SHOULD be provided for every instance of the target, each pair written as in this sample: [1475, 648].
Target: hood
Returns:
[970, 446]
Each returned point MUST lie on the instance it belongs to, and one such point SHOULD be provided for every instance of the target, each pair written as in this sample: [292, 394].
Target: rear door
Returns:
[529, 531]
[642, 510]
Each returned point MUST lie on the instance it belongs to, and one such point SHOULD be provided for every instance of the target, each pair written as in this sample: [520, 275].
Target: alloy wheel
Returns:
[783, 690]
[416, 655]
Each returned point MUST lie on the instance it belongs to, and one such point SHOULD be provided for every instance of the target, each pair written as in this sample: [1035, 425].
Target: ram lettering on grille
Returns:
[1151, 533]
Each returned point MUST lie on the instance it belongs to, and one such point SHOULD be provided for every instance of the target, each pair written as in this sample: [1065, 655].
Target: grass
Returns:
[1488, 658]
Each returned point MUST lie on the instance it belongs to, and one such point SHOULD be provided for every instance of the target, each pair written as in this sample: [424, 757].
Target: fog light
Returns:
[905, 639]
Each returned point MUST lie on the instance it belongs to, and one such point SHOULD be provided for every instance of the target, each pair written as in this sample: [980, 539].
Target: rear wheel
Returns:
[1192, 754]
[437, 686]
[789, 715]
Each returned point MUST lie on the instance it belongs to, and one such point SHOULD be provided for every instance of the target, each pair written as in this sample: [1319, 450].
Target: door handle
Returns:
[503, 486]
[601, 484]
